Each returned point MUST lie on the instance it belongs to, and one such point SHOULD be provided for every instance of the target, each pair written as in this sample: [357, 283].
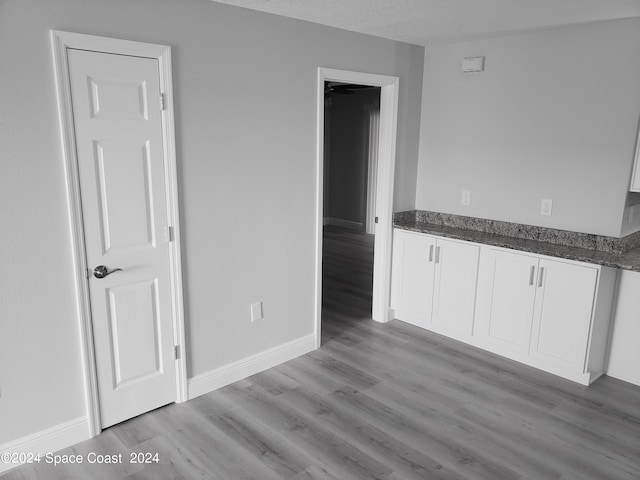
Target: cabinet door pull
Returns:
[540, 275]
[531, 273]
[431, 253]
[437, 254]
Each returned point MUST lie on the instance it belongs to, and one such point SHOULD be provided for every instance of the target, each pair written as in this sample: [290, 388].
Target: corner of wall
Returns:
[408, 158]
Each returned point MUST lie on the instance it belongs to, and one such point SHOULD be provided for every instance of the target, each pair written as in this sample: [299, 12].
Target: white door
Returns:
[118, 129]
[506, 295]
[454, 294]
[562, 318]
[412, 277]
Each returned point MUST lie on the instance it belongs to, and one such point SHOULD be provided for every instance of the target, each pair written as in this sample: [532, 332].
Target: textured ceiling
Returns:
[425, 22]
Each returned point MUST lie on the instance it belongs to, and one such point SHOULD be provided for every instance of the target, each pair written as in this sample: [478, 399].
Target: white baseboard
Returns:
[219, 377]
[624, 378]
[339, 222]
[47, 441]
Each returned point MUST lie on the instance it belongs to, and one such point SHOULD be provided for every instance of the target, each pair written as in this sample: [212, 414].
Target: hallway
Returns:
[347, 276]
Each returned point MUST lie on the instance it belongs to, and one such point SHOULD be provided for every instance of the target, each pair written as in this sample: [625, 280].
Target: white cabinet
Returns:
[562, 314]
[547, 313]
[412, 276]
[434, 282]
[454, 290]
[552, 314]
[506, 295]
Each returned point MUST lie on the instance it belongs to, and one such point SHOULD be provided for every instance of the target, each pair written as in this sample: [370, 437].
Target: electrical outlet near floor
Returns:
[256, 311]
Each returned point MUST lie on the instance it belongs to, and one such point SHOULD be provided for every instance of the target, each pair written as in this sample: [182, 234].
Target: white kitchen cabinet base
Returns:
[418, 321]
[569, 323]
[586, 378]
[412, 274]
[433, 283]
[411, 317]
[549, 313]
[454, 295]
[506, 296]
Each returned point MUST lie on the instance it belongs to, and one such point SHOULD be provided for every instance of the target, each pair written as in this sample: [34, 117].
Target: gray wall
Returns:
[348, 155]
[554, 115]
[245, 93]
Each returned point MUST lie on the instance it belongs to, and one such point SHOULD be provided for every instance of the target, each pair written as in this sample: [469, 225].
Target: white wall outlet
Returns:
[473, 64]
[546, 207]
[256, 311]
[465, 198]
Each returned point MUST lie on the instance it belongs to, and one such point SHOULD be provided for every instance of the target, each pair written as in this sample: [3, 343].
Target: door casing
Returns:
[384, 187]
[61, 41]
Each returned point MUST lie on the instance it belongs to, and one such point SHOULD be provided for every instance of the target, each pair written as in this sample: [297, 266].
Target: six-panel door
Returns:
[118, 130]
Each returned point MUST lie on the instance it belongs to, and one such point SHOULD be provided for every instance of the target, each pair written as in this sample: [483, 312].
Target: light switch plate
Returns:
[465, 198]
[546, 207]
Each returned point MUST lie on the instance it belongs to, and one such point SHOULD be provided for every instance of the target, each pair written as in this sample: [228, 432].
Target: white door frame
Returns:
[373, 126]
[61, 41]
[384, 193]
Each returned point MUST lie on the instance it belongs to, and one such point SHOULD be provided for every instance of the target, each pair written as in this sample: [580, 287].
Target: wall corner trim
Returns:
[46, 441]
[227, 374]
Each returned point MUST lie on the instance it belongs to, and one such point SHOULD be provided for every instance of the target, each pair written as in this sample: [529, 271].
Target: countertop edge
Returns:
[629, 260]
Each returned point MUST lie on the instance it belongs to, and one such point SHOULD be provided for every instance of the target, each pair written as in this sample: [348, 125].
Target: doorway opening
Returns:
[375, 210]
[351, 132]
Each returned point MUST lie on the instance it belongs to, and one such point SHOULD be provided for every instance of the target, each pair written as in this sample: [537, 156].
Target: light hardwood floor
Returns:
[380, 401]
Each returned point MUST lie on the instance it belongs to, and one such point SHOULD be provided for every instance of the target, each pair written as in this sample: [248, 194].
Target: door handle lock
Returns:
[101, 271]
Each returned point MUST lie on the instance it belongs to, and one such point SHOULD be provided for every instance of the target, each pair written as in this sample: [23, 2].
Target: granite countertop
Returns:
[629, 260]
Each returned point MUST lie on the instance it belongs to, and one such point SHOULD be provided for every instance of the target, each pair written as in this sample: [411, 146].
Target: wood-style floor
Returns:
[380, 401]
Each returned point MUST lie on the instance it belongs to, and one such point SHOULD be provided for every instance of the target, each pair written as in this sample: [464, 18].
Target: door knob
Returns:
[101, 271]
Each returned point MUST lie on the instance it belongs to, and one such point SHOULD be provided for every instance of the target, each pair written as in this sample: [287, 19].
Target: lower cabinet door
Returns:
[562, 315]
[412, 277]
[506, 295]
[454, 292]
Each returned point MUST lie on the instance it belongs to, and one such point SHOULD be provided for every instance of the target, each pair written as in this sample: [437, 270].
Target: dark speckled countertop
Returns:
[629, 260]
